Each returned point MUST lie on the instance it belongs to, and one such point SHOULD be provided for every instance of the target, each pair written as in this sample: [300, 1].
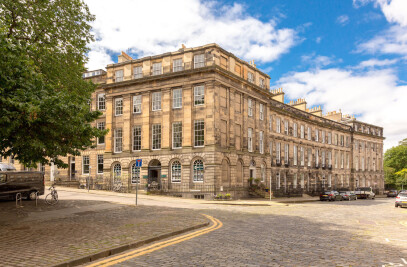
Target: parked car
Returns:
[401, 200]
[365, 192]
[28, 183]
[330, 196]
[348, 195]
[392, 193]
[4, 167]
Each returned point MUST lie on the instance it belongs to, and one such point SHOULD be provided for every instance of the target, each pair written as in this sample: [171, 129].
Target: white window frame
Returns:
[176, 171]
[250, 77]
[199, 95]
[302, 133]
[309, 157]
[198, 175]
[286, 127]
[137, 104]
[330, 158]
[278, 182]
[136, 131]
[270, 123]
[250, 107]
[156, 101]
[261, 112]
[323, 137]
[323, 158]
[295, 180]
[199, 132]
[329, 138]
[295, 129]
[176, 135]
[118, 75]
[102, 101]
[118, 140]
[118, 106]
[157, 68]
[99, 163]
[199, 61]
[316, 135]
[295, 155]
[309, 133]
[101, 126]
[286, 153]
[138, 72]
[278, 125]
[317, 157]
[156, 132]
[85, 162]
[278, 152]
[261, 142]
[177, 98]
[177, 65]
[302, 156]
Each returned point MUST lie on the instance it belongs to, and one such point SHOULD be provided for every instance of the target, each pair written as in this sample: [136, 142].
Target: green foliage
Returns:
[395, 165]
[44, 111]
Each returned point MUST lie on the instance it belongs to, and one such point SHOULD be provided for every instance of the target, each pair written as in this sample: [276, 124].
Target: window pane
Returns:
[101, 126]
[199, 61]
[199, 95]
[118, 135]
[157, 70]
[138, 72]
[177, 98]
[177, 134]
[100, 163]
[198, 171]
[119, 75]
[118, 106]
[199, 130]
[101, 102]
[85, 164]
[137, 104]
[156, 136]
[137, 138]
[177, 65]
[176, 172]
[156, 101]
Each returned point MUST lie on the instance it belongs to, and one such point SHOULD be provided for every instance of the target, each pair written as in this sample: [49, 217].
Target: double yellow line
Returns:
[216, 224]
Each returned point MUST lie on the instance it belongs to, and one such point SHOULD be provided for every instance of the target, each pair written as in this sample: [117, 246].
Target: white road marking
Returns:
[404, 261]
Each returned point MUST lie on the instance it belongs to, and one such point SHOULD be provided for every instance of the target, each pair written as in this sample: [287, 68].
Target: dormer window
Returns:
[250, 77]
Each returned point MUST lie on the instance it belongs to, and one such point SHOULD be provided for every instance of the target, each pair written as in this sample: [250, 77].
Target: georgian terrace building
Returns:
[203, 122]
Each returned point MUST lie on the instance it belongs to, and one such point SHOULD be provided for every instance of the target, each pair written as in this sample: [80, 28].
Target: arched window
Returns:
[198, 171]
[117, 171]
[176, 172]
[135, 174]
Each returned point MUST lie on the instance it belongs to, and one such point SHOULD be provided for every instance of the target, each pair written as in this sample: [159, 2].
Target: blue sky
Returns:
[339, 54]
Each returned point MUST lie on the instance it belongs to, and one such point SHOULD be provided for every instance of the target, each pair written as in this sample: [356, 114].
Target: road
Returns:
[356, 233]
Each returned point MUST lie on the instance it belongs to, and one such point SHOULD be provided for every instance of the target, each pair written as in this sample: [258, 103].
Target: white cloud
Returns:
[342, 20]
[153, 27]
[374, 94]
[395, 11]
[317, 61]
[394, 39]
[318, 40]
[374, 62]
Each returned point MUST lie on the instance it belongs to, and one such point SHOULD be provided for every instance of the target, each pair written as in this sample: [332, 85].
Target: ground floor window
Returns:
[117, 171]
[176, 172]
[198, 171]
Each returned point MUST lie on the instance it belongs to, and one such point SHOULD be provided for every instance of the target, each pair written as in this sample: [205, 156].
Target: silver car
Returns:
[401, 200]
[5, 167]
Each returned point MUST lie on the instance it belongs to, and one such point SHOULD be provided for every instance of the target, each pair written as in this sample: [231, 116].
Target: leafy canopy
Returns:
[44, 110]
[395, 165]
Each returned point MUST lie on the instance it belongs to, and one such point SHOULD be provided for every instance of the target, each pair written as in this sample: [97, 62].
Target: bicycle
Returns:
[117, 187]
[52, 198]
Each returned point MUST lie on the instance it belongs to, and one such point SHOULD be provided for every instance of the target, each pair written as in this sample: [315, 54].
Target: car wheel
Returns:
[396, 206]
[32, 195]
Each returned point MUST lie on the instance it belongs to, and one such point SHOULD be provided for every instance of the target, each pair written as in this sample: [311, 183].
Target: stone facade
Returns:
[248, 131]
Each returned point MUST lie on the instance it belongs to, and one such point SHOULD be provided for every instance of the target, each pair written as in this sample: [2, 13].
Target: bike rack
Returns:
[19, 198]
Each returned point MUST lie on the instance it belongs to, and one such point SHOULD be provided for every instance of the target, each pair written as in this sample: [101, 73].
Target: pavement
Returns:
[73, 231]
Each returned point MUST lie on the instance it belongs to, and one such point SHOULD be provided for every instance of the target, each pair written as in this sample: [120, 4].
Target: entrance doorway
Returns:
[72, 170]
[154, 174]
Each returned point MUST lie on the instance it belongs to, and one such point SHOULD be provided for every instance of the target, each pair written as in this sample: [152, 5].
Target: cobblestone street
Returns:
[254, 232]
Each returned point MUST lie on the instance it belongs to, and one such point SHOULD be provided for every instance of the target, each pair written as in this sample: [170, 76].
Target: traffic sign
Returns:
[139, 162]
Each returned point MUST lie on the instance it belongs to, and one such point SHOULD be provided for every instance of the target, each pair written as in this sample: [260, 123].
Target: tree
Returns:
[44, 110]
[395, 165]
[403, 142]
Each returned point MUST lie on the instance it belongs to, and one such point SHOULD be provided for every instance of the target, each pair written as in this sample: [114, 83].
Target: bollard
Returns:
[36, 198]
[19, 198]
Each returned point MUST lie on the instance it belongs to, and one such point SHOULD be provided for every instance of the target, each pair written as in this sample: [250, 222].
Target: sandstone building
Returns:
[204, 121]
